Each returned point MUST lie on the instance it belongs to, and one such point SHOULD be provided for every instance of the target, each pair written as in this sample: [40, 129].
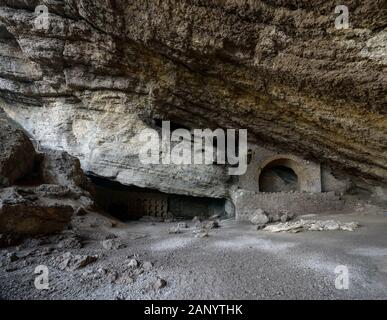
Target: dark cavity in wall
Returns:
[132, 203]
[34, 177]
[278, 178]
[4, 33]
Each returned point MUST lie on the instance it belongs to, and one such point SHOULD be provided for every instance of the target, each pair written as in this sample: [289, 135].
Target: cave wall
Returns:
[104, 69]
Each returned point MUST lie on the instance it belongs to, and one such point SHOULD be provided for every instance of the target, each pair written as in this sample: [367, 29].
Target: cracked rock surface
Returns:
[104, 70]
[17, 153]
[46, 187]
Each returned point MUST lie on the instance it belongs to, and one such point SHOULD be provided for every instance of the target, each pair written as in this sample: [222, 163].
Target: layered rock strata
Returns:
[104, 70]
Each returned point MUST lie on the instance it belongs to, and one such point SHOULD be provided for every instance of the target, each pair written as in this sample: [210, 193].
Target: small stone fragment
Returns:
[174, 230]
[259, 218]
[126, 279]
[351, 226]
[83, 261]
[147, 265]
[133, 263]
[159, 284]
[138, 272]
[102, 271]
[112, 244]
[112, 277]
[212, 225]
[71, 262]
[201, 235]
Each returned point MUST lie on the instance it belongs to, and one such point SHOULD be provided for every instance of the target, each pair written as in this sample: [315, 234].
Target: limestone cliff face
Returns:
[103, 70]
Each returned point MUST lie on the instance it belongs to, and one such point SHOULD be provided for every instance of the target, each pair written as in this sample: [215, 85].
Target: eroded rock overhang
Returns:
[100, 74]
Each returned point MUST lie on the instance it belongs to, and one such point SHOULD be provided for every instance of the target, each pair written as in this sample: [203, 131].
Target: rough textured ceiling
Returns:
[278, 68]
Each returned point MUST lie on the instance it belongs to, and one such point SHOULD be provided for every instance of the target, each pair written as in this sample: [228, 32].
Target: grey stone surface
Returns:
[97, 76]
[44, 205]
[60, 168]
[17, 154]
[259, 218]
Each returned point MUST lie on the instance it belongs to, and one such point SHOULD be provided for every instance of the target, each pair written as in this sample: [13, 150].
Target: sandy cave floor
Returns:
[234, 262]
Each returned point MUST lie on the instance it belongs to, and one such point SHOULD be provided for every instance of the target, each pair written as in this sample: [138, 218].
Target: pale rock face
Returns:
[59, 168]
[259, 218]
[106, 144]
[17, 154]
[47, 186]
[101, 73]
[376, 48]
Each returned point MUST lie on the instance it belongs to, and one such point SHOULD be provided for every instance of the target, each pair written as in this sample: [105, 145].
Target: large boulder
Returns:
[46, 206]
[17, 153]
[31, 212]
[60, 168]
[259, 218]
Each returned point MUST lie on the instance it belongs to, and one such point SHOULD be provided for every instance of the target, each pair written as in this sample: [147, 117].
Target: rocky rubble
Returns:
[39, 192]
[200, 228]
[260, 218]
[112, 244]
[279, 222]
[74, 253]
[125, 274]
[312, 225]
[71, 262]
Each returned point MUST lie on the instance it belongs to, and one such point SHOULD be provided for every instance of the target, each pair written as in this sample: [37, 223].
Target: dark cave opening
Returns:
[34, 177]
[5, 34]
[128, 203]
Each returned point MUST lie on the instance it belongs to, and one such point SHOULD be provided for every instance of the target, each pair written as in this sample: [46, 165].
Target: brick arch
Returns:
[288, 161]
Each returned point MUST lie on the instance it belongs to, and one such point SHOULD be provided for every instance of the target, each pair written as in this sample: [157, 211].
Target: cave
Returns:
[130, 203]
[278, 178]
[88, 88]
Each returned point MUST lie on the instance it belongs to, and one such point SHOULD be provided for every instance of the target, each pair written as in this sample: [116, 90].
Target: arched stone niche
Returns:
[308, 175]
[308, 172]
[280, 175]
